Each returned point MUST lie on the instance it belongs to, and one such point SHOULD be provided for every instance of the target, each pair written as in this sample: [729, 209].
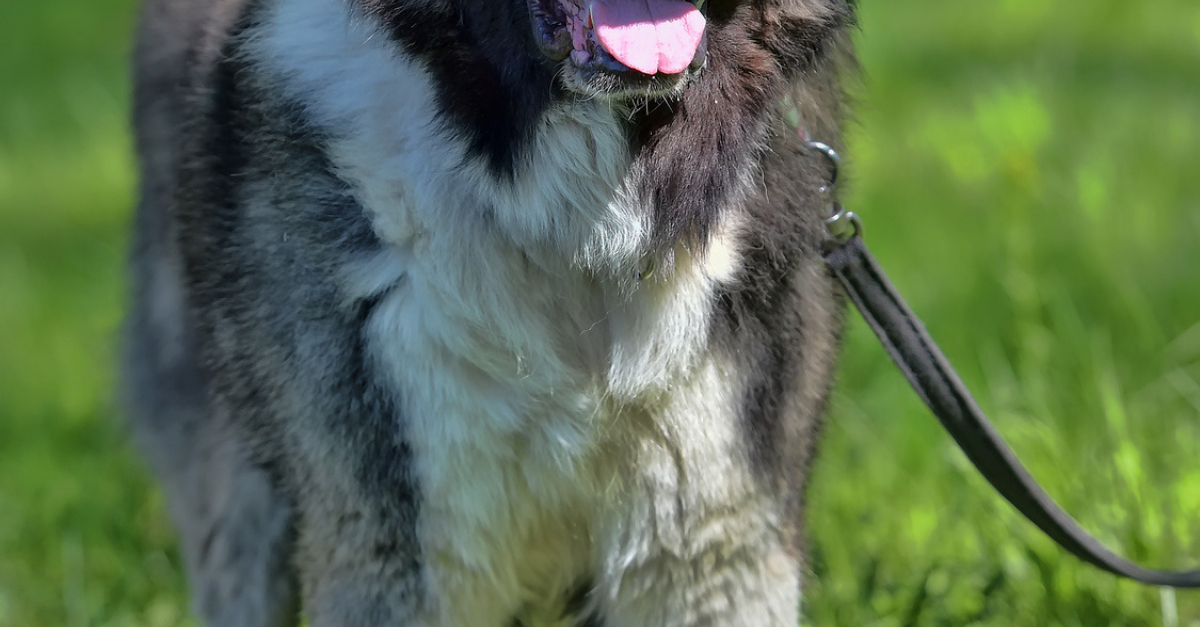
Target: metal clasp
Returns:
[841, 223]
[844, 224]
[835, 164]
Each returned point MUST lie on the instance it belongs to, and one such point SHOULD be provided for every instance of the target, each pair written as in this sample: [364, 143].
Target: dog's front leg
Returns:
[358, 563]
[361, 566]
[697, 536]
[733, 573]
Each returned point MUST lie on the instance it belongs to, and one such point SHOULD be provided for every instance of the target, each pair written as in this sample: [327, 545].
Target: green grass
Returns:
[1028, 173]
[83, 540]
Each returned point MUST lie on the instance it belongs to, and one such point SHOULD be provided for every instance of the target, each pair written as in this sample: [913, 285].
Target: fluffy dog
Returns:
[482, 313]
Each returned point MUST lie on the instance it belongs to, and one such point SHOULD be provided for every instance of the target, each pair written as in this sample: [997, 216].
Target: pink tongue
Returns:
[650, 36]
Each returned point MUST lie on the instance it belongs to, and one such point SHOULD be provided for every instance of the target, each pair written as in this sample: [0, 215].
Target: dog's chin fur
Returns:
[427, 333]
[630, 89]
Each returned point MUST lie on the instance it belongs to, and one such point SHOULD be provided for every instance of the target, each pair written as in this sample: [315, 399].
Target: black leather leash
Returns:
[936, 382]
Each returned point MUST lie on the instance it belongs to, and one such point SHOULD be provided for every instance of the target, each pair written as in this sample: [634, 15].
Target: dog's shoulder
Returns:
[177, 42]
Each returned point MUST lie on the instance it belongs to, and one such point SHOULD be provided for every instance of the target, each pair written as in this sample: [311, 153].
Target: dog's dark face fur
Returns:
[446, 317]
[695, 131]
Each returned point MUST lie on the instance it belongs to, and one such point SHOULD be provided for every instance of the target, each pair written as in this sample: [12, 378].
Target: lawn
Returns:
[1029, 174]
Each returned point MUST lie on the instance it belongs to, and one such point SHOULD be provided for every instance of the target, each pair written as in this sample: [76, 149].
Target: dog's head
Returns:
[620, 49]
[697, 79]
[655, 48]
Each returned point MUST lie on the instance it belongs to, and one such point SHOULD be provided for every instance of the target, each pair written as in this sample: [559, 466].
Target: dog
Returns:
[485, 313]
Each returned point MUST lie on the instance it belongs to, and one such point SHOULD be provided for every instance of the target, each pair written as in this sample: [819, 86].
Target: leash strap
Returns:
[935, 380]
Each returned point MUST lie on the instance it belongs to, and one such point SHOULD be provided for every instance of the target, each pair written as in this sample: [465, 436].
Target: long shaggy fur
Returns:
[424, 336]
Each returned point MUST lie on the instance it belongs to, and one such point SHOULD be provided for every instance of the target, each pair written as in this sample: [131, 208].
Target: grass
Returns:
[1027, 171]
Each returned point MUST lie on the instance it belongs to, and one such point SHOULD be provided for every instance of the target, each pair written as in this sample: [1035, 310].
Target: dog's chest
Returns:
[526, 382]
[518, 387]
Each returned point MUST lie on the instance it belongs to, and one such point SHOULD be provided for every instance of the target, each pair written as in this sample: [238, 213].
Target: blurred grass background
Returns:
[1028, 173]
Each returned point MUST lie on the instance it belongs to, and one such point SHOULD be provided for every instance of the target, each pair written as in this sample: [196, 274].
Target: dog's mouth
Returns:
[616, 47]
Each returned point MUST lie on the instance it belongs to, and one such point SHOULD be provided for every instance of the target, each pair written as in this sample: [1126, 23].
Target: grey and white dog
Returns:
[445, 315]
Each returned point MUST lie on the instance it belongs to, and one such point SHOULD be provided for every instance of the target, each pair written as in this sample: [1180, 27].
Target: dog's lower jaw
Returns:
[566, 35]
